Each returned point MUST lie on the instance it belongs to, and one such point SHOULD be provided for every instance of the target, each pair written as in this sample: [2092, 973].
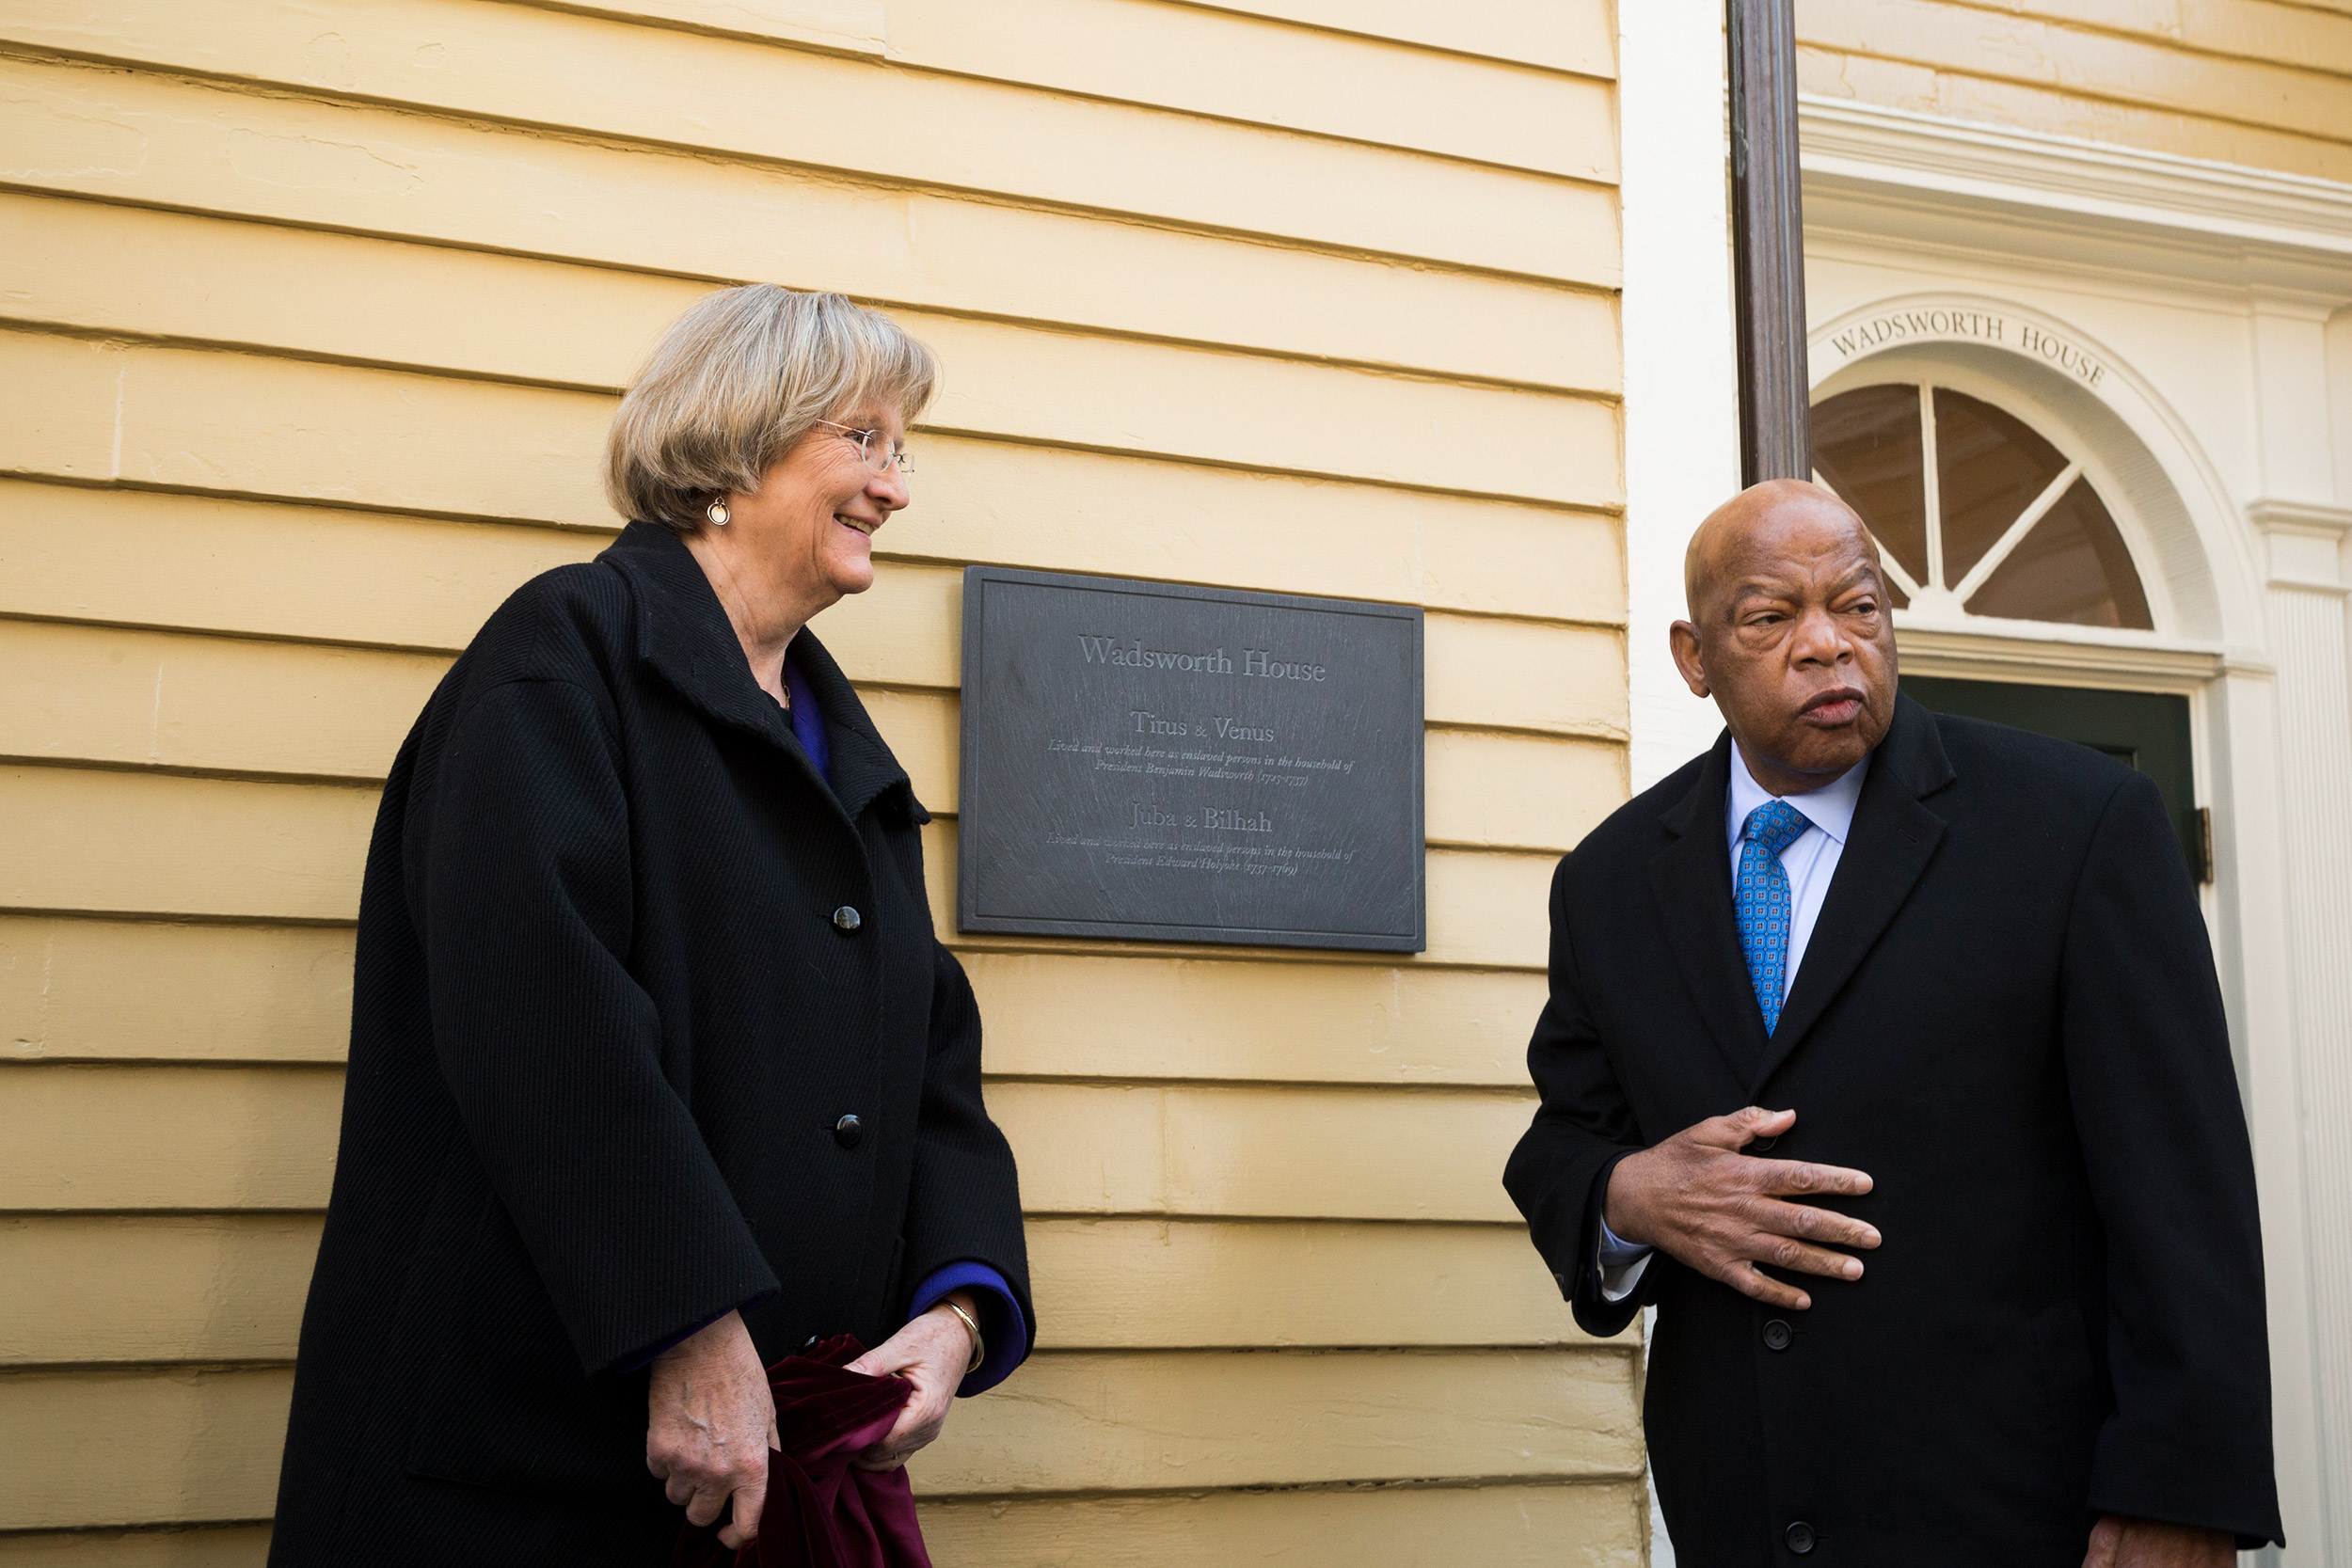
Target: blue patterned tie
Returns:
[1762, 900]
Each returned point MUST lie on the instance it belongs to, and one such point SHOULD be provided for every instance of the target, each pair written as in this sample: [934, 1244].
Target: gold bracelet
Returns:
[979, 1347]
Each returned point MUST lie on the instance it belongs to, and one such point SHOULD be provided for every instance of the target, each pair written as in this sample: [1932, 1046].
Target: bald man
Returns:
[1884, 1055]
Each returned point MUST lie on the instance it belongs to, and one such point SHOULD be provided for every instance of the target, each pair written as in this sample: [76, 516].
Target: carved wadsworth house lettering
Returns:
[1160, 762]
[1967, 323]
[1256, 663]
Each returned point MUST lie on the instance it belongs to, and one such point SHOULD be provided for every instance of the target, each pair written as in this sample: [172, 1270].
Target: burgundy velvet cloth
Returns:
[822, 1512]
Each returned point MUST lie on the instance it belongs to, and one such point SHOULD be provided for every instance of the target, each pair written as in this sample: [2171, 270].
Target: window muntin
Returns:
[1975, 512]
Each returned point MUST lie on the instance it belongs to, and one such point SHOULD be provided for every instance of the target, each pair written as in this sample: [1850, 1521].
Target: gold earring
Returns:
[716, 513]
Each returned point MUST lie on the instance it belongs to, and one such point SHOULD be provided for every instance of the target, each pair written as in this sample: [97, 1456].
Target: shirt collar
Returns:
[1829, 808]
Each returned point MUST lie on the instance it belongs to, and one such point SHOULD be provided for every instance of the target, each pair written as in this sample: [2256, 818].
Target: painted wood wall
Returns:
[312, 313]
[2263, 83]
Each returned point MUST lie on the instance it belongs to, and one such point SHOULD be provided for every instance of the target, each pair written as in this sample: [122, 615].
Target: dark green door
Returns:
[2147, 729]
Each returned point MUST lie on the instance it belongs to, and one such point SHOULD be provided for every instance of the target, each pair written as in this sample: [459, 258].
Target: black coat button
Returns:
[848, 1132]
[1764, 1145]
[1777, 1335]
[1800, 1538]
[845, 919]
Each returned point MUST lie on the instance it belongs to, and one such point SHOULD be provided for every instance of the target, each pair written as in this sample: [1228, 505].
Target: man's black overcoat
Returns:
[2008, 1016]
[609, 1006]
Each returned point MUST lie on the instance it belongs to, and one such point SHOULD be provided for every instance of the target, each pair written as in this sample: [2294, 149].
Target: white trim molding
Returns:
[2060, 656]
[2305, 543]
[1681, 408]
[2071, 176]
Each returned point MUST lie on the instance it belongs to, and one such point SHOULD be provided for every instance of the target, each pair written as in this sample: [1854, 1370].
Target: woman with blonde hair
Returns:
[659, 1072]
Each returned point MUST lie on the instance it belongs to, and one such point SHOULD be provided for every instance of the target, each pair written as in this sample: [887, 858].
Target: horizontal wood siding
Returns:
[312, 315]
[2264, 83]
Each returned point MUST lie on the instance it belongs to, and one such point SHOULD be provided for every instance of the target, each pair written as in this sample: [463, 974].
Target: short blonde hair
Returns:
[737, 382]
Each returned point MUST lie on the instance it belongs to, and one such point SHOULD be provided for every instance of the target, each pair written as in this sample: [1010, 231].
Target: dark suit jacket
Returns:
[605, 1022]
[2008, 1016]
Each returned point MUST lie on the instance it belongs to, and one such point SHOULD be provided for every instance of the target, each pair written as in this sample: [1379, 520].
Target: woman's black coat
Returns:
[625, 963]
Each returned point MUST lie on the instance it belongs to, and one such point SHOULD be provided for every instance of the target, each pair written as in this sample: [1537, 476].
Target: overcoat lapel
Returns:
[1892, 839]
[1690, 879]
[862, 765]
[683, 632]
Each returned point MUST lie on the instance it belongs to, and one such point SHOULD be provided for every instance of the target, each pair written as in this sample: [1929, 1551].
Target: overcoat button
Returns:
[1777, 1335]
[1800, 1538]
[848, 1131]
[1764, 1145]
[846, 919]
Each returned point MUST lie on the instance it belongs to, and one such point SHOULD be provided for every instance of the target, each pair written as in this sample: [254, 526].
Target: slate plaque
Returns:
[1154, 762]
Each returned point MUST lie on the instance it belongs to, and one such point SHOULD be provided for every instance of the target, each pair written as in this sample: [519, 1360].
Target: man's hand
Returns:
[709, 1424]
[931, 1352]
[1697, 1198]
[2120, 1542]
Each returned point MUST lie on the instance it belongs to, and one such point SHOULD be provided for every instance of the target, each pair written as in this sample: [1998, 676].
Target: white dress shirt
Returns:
[1811, 861]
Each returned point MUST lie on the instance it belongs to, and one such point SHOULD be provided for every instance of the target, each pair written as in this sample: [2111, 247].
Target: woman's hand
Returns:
[931, 1352]
[710, 1423]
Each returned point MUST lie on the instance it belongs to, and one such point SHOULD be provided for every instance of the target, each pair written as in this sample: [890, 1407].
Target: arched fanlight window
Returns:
[1975, 512]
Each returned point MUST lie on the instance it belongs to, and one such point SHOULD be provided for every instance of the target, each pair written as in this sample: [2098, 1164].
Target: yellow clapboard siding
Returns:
[1488, 909]
[2310, 37]
[88, 1288]
[171, 1137]
[59, 406]
[248, 424]
[1974, 41]
[286, 570]
[1518, 791]
[75, 990]
[2286, 34]
[151, 1288]
[1932, 89]
[1076, 1015]
[1090, 1420]
[1576, 37]
[1265, 1152]
[859, 27]
[269, 569]
[82, 990]
[1523, 674]
[168, 1137]
[103, 267]
[1276, 414]
[318, 432]
[1265, 73]
[1007, 504]
[1589, 1525]
[203, 1546]
[135, 1448]
[739, 102]
[143, 844]
[1560, 35]
[98, 1447]
[169, 700]
[1141, 1284]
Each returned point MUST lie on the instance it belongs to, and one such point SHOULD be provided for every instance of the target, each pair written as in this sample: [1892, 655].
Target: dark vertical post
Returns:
[1768, 242]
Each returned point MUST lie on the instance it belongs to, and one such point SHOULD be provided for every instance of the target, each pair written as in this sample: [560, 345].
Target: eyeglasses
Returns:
[877, 456]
